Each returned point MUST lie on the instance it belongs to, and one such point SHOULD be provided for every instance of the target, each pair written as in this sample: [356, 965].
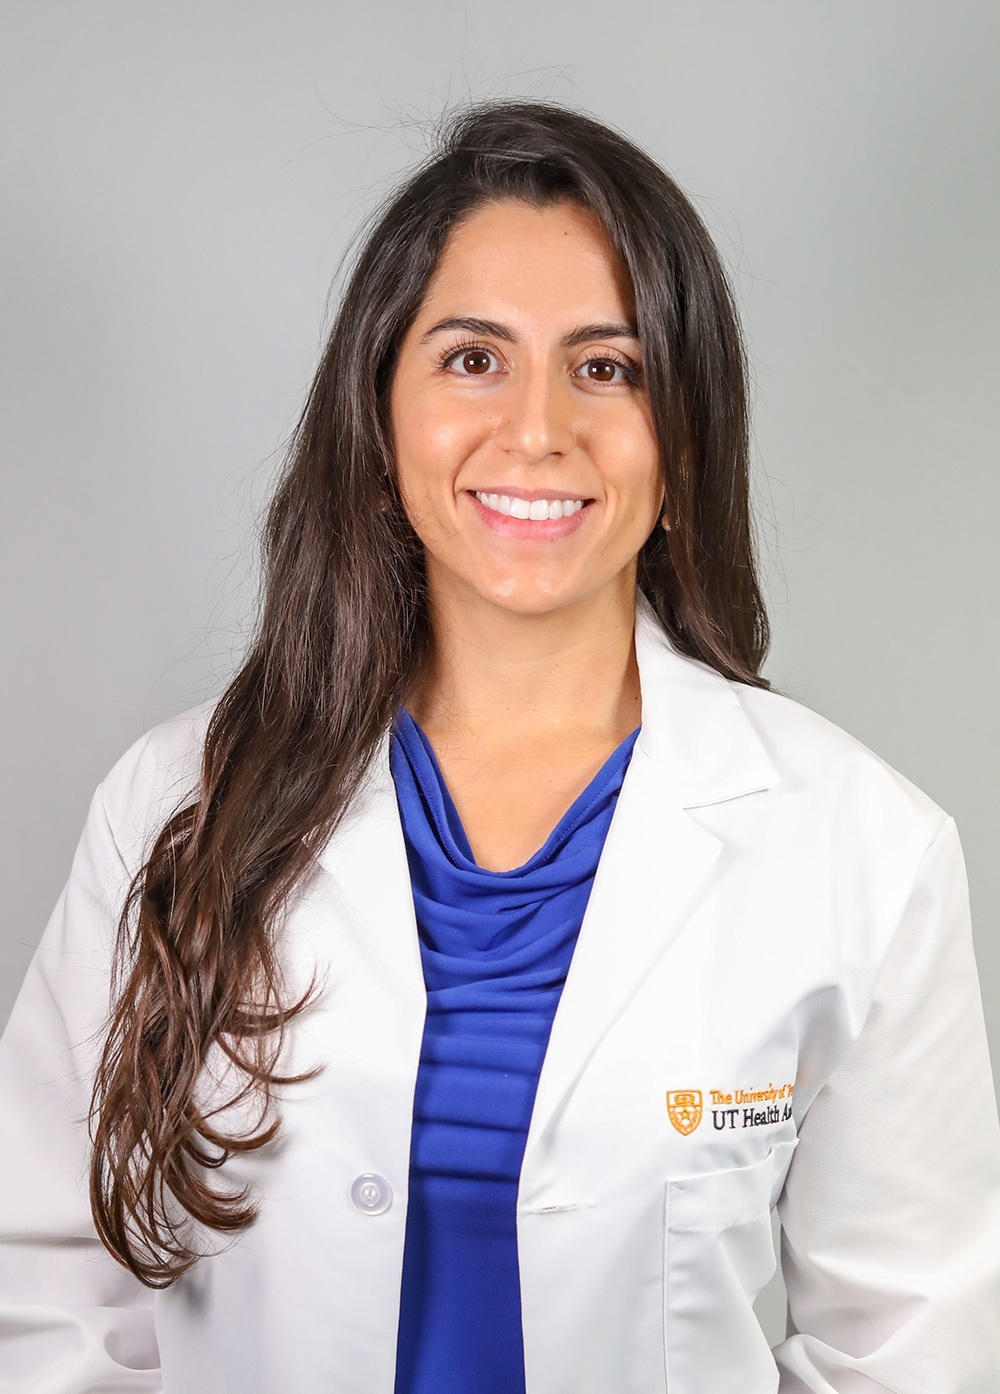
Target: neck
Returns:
[498, 675]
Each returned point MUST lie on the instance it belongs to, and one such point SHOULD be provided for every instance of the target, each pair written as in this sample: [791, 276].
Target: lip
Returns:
[529, 529]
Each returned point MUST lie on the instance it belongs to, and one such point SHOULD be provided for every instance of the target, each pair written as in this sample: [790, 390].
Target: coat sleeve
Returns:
[71, 1319]
[891, 1210]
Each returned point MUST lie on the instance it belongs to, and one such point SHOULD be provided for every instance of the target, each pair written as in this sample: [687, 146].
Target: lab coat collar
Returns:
[694, 727]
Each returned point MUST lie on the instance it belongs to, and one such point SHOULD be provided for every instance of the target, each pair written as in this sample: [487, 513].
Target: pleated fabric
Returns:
[496, 947]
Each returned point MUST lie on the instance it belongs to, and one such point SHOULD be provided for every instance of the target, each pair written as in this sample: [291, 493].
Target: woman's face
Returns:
[524, 445]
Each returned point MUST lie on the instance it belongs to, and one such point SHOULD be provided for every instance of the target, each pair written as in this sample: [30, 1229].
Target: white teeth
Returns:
[538, 510]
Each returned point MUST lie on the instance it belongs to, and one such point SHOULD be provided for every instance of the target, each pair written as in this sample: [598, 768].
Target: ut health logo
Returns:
[685, 1108]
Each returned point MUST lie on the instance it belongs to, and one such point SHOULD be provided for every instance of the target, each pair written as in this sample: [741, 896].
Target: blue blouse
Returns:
[495, 947]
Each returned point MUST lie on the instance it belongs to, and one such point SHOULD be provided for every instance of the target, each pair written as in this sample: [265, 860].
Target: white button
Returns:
[371, 1193]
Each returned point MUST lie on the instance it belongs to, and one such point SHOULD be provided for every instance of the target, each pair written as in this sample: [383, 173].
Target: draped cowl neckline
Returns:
[478, 911]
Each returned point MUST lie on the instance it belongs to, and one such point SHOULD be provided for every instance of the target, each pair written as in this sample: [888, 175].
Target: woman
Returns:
[501, 746]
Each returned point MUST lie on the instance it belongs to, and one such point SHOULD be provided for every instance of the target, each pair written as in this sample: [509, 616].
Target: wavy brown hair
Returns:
[343, 629]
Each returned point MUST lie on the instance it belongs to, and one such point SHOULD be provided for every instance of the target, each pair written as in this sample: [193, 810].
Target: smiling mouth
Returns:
[537, 510]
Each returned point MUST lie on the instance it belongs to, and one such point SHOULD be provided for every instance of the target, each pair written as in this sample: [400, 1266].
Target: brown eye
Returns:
[603, 370]
[468, 360]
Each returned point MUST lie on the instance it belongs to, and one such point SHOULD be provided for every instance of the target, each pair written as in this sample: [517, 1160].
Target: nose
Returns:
[537, 414]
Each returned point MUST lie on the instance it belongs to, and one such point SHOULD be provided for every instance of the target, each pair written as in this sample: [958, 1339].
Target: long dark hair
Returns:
[344, 627]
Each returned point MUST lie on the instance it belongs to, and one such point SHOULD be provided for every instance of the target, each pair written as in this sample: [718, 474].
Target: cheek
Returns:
[432, 443]
[625, 442]
[426, 456]
[633, 467]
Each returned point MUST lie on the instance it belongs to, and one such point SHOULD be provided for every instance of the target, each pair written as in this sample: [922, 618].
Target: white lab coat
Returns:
[773, 999]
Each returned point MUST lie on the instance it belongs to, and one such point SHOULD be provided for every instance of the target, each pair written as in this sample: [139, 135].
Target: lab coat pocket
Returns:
[719, 1254]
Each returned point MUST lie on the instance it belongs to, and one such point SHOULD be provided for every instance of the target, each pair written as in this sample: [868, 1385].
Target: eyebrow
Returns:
[608, 329]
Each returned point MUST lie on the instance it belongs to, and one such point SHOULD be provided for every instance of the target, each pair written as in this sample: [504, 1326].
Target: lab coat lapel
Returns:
[696, 747]
[367, 858]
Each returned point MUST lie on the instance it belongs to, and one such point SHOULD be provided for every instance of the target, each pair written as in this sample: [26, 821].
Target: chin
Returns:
[528, 592]
[522, 599]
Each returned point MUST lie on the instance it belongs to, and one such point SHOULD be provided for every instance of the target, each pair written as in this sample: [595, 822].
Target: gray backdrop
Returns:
[180, 180]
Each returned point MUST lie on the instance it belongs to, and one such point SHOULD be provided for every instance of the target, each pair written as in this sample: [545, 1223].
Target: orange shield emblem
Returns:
[684, 1107]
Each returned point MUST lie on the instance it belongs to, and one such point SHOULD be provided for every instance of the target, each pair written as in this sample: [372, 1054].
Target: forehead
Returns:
[553, 259]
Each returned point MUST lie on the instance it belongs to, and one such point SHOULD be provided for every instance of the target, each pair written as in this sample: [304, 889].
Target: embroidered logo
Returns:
[685, 1109]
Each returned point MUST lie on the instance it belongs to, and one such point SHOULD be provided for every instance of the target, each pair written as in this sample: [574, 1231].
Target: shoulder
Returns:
[820, 761]
[718, 738]
[154, 777]
[157, 775]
